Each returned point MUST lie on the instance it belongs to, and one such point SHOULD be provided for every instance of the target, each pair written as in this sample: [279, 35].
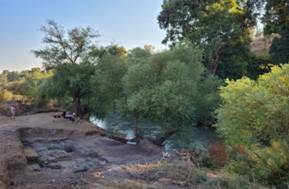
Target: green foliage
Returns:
[276, 20]
[207, 100]
[259, 64]
[254, 123]
[161, 88]
[168, 88]
[23, 86]
[106, 83]
[12, 76]
[5, 95]
[32, 83]
[221, 27]
[279, 49]
[70, 82]
[69, 53]
[63, 47]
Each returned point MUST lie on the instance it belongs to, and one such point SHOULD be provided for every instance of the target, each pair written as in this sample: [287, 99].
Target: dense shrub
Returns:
[170, 88]
[255, 124]
[23, 86]
[5, 95]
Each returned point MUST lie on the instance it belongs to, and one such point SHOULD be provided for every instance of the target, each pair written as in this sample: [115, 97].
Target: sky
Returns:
[131, 23]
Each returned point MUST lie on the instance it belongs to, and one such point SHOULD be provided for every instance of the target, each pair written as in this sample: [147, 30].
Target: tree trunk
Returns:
[136, 129]
[214, 68]
[78, 105]
[215, 57]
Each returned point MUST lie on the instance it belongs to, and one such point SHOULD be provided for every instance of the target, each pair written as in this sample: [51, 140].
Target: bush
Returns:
[254, 122]
[6, 95]
[171, 88]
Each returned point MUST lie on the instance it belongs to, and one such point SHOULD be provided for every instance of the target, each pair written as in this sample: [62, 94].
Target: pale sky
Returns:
[131, 23]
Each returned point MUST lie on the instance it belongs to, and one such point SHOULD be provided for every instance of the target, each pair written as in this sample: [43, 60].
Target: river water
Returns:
[102, 123]
[192, 137]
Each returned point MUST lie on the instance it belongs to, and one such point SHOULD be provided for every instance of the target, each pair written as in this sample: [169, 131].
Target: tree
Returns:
[70, 82]
[116, 50]
[276, 20]
[31, 85]
[13, 76]
[65, 48]
[221, 27]
[259, 64]
[3, 77]
[254, 123]
[69, 54]
[163, 87]
[106, 83]
[5, 95]
[207, 100]
[22, 86]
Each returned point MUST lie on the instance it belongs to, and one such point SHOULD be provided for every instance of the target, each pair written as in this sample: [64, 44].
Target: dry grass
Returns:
[178, 174]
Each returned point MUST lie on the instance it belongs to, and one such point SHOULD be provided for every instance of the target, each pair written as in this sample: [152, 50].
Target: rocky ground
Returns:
[37, 152]
[40, 152]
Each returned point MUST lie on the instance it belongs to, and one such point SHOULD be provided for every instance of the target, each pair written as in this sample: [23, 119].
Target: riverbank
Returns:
[39, 152]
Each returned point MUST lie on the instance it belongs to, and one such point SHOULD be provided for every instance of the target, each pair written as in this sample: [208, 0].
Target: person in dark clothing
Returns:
[67, 115]
[70, 116]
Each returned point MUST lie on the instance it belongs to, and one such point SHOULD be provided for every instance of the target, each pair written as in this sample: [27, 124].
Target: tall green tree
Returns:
[276, 20]
[62, 47]
[221, 27]
[106, 82]
[69, 54]
[164, 87]
[31, 85]
[70, 84]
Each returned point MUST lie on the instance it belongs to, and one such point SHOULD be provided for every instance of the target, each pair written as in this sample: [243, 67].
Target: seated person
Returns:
[70, 116]
[57, 115]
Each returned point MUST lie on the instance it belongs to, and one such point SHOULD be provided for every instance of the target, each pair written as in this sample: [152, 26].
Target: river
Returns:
[102, 123]
[193, 137]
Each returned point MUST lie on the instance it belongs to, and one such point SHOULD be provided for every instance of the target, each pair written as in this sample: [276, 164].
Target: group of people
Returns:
[67, 115]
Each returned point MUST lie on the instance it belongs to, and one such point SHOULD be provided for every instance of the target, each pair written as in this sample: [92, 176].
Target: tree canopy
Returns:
[276, 20]
[69, 53]
[164, 87]
[221, 27]
[64, 47]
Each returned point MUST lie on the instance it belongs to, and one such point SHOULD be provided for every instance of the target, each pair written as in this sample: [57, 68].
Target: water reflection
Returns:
[196, 138]
[103, 123]
[98, 122]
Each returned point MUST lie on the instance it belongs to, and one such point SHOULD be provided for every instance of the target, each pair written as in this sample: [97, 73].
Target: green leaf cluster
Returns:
[254, 123]
[170, 88]
[221, 27]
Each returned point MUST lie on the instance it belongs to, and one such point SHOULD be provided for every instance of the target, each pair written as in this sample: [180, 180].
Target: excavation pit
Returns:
[37, 153]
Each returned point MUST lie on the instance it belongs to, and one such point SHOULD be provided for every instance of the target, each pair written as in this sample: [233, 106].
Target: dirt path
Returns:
[39, 153]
